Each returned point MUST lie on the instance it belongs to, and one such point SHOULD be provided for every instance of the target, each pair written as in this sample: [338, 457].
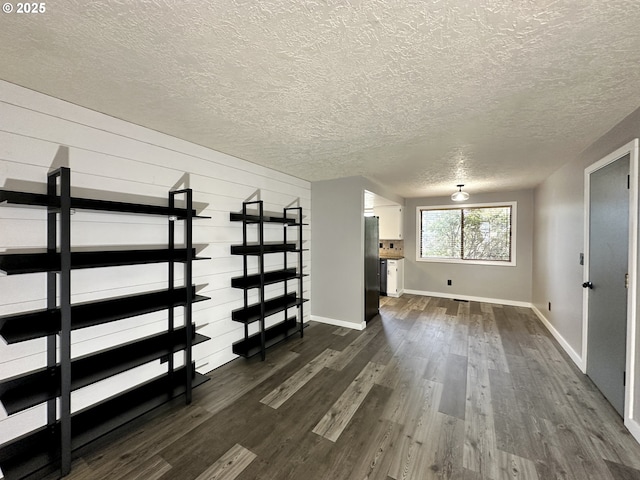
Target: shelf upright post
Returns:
[171, 281]
[188, 276]
[297, 223]
[188, 281]
[263, 334]
[64, 174]
[300, 270]
[244, 263]
[52, 292]
[285, 227]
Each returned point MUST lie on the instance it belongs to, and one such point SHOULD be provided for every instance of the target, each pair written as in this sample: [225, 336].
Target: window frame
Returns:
[514, 223]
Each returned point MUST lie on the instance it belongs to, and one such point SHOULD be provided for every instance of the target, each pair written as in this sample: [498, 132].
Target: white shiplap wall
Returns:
[116, 160]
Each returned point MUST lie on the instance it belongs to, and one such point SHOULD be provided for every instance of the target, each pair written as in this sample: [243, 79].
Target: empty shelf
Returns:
[253, 281]
[257, 249]
[43, 200]
[20, 263]
[28, 390]
[252, 313]
[275, 334]
[266, 218]
[30, 325]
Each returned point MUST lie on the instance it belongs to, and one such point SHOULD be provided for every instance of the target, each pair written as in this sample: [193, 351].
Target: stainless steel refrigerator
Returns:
[371, 268]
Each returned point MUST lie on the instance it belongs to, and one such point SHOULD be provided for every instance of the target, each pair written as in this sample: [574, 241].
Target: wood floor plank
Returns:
[622, 472]
[454, 391]
[508, 333]
[234, 383]
[447, 461]
[512, 467]
[459, 342]
[375, 464]
[475, 308]
[342, 331]
[355, 347]
[230, 465]
[152, 469]
[289, 387]
[480, 440]
[79, 471]
[409, 397]
[575, 455]
[361, 438]
[338, 416]
[131, 452]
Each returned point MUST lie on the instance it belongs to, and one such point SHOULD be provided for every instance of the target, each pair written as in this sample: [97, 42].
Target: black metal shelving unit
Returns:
[265, 337]
[50, 447]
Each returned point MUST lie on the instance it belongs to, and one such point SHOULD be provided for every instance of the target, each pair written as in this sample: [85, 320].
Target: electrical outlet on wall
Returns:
[449, 282]
[549, 306]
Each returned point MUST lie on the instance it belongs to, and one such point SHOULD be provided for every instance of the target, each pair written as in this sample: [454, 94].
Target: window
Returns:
[467, 234]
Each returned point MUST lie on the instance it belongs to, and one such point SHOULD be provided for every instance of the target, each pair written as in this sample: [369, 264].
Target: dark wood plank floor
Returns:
[433, 389]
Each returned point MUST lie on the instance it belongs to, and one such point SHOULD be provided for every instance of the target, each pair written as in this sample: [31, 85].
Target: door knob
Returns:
[587, 285]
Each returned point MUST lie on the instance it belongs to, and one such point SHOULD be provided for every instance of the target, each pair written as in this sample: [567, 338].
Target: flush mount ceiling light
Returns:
[459, 196]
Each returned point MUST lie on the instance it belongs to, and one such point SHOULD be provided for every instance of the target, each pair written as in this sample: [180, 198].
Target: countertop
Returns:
[391, 257]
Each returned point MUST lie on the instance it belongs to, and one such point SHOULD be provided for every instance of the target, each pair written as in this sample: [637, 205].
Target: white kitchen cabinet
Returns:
[390, 223]
[395, 277]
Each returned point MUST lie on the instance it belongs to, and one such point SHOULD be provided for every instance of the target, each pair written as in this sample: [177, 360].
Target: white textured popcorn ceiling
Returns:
[416, 95]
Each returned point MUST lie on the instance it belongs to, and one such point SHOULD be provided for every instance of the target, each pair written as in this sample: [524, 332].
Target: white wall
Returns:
[116, 160]
[504, 284]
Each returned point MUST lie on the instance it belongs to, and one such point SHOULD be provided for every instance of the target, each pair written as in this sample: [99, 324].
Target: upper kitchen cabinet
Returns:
[391, 223]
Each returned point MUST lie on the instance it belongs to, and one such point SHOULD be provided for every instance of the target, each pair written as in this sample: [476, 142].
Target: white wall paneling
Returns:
[114, 160]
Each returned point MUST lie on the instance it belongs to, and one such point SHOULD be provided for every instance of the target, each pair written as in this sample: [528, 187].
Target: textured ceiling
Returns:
[418, 95]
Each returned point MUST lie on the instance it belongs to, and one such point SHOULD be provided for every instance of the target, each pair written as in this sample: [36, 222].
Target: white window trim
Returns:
[514, 236]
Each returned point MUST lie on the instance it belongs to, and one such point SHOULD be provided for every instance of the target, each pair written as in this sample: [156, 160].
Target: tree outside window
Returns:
[473, 233]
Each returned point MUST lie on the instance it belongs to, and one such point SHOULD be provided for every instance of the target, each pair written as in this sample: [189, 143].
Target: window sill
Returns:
[467, 262]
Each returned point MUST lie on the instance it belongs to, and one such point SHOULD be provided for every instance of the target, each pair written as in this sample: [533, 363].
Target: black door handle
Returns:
[587, 285]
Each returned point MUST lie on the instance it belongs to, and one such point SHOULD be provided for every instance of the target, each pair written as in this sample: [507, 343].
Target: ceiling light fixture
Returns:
[459, 196]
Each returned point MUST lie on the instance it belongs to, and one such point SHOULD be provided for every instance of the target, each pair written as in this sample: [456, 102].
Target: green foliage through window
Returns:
[473, 233]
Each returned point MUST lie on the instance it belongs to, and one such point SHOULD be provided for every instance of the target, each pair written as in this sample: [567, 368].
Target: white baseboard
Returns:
[339, 323]
[633, 427]
[577, 359]
[500, 301]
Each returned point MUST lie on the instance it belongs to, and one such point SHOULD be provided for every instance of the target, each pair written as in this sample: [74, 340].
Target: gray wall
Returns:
[507, 283]
[559, 238]
[337, 258]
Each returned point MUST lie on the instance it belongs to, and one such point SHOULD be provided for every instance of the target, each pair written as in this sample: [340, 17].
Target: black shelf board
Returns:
[39, 323]
[274, 305]
[37, 451]
[100, 419]
[38, 199]
[275, 334]
[31, 389]
[275, 276]
[20, 263]
[266, 218]
[256, 249]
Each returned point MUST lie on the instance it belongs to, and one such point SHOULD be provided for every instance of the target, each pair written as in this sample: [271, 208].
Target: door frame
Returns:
[631, 149]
